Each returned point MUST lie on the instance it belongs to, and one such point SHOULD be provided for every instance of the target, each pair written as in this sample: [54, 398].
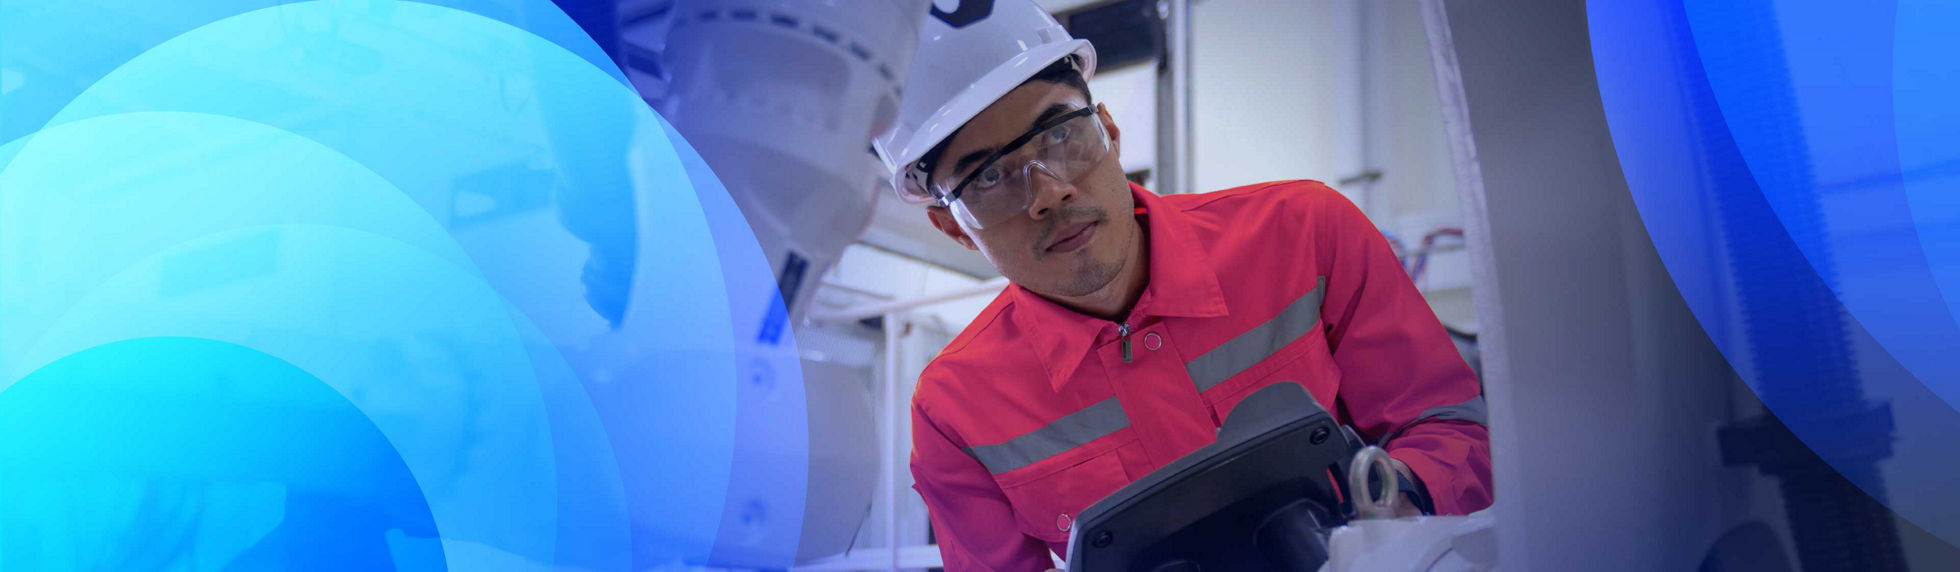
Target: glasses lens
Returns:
[1000, 189]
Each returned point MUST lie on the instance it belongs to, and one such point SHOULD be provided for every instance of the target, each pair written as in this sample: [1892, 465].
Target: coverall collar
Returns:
[1181, 284]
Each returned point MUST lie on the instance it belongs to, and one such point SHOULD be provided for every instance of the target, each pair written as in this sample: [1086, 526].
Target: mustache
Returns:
[1068, 216]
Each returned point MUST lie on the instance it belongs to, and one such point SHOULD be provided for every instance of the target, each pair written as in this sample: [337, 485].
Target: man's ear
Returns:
[1109, 124]
[942, 219]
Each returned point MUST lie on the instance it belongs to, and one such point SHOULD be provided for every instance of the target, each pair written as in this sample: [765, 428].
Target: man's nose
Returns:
[1047, 190]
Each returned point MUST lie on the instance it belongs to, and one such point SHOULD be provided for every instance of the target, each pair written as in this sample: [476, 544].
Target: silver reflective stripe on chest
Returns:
[1071, 431]
[1260, 342]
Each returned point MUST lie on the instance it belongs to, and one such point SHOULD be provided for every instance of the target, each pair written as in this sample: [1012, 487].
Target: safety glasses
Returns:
[1001, 186]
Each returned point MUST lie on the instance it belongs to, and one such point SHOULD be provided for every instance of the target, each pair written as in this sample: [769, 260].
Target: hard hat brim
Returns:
[976, 98]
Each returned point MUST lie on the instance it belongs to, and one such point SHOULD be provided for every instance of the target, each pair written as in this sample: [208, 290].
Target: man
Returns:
[1135, 322]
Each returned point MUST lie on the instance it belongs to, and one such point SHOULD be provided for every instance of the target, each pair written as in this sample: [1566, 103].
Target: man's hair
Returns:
[1063, 72]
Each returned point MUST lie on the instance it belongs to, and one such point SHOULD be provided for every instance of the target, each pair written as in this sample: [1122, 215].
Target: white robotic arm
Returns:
[782, 99]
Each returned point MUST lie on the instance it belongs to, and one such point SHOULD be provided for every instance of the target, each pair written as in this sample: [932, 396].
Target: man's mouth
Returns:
[1072, 237]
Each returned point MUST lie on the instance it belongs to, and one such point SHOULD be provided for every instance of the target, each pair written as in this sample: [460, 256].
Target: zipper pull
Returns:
[1124, 329]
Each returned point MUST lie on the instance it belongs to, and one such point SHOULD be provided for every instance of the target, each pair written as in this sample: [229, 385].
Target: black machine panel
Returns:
[1262, 497]
[1125, 32]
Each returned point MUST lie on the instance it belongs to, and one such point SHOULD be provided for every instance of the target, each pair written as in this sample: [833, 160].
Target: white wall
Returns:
[891, 276]
[1275, 91]
[1406, 142]
[1130, 93]
[1324, 90]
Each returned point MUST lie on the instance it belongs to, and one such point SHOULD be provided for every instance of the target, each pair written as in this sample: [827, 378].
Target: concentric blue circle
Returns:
[429, 276]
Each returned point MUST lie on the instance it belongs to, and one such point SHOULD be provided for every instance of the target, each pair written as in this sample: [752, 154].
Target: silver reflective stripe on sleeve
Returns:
[1071, 431]
[1471, 410]
[1260, 342]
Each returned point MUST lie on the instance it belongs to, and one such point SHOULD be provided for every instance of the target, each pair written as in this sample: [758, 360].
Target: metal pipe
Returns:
[894, 325]
[849, 315]
[1174, 100]
[1369, 89]
[856, 290]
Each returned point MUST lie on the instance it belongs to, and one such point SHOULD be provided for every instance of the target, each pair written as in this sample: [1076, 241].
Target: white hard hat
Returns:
[966, 60]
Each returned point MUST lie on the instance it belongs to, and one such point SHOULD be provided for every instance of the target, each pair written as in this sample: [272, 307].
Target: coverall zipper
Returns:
[1124, 329]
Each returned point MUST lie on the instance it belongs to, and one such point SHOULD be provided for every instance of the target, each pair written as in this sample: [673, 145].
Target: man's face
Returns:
[1074, 236]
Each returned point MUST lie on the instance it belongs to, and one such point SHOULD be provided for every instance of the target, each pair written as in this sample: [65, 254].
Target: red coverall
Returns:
[1033, 413]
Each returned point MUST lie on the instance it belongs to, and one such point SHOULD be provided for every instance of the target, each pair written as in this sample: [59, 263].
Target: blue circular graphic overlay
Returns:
[156, 453]
[452, 224]
[1795, 166]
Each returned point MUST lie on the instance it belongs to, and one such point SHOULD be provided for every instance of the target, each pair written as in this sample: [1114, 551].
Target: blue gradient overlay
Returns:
[1798, 167]
[350, 285]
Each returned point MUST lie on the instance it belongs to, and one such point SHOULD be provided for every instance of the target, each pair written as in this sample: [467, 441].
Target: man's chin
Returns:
[1081, 279]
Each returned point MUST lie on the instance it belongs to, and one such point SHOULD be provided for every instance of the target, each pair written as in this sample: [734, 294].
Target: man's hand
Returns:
[1404, 507]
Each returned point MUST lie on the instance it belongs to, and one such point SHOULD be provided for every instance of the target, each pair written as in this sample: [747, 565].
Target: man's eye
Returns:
[1059, 134]
[988, 177]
